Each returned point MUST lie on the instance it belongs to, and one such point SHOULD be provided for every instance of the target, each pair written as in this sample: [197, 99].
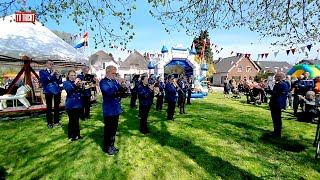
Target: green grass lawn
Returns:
[218, 138]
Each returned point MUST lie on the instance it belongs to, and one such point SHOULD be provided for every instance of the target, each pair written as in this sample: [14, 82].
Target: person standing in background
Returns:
[86, 95]
[159, 86]
[170, 96]
[134, 91]
[183, 90]
[145, 93]
[190, 82]
[50, 79]
[278, 102]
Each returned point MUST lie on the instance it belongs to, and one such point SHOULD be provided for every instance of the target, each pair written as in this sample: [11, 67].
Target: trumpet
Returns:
[87, 84]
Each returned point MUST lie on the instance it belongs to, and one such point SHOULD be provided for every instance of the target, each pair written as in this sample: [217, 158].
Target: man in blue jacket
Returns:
[86, 94]
[50, 79]
[145, 94]
[134, 91]
[111, 91]
[278, 102]
[170, 96]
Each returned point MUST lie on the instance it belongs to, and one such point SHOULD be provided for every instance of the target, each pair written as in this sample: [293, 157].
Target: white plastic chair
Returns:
[20, 95]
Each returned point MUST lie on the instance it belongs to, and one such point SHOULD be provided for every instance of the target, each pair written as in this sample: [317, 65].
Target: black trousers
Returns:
[182, 102]
[56, 99]
[277, 122]
[144, 117]
[179, 98]
[159, 102]
[189, 96]
[133, 100]
[296, 103]
[170, 110]
[110, 129]
[85, 110]
[73, 126]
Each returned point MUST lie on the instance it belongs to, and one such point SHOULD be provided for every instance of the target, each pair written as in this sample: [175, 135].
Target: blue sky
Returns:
[150, 36]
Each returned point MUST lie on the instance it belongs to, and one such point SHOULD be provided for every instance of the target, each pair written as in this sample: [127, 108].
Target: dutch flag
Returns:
[83, 42]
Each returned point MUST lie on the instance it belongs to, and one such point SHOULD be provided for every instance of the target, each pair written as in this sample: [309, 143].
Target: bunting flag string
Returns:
[74, 37]
[149, 54]
[287, 52]
[309, 46]
[265, 55]
[217, 49]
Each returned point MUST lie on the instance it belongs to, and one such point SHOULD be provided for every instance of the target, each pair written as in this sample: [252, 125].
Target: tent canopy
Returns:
[36, 42]
[297, 70]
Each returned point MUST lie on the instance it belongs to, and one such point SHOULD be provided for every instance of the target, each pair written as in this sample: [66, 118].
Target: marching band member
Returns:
[170, 96]
[158, 91]
[111, 91]
[183, 90]
[86, 95]
[50, 79]
[74, 87]
[179, 92]
[189, 83]
[134, 91]
[145, 92]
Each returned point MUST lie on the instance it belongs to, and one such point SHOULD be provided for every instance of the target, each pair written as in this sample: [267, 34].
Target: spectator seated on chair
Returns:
[310, 107]
[20, 95]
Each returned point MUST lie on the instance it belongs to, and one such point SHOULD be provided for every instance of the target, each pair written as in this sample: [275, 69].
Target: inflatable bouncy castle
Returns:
[184, 58]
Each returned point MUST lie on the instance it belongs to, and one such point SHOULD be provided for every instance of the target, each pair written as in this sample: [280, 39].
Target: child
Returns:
[73, 87]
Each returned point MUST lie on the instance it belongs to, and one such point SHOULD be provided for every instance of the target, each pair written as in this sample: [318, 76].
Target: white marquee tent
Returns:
[36, 42]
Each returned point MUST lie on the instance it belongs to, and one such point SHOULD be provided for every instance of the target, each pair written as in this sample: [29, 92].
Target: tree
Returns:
[65, 36]
[295, 21]
[211, 70]
[198, 43]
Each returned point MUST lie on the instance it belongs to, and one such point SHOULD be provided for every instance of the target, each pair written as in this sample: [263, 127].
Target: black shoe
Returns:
[184, 113]
[115, 149]
[79, 137]
[57, 124]
[188, 103]
[82, 118]
[50, 126]
[110, 151]
[72, 139]
[145, 132]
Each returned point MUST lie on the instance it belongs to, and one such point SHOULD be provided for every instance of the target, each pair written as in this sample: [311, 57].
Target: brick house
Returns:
[233, 67]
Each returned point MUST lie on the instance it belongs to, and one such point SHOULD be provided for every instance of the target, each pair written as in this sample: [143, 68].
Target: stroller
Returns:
[235, 93]
[255, 95]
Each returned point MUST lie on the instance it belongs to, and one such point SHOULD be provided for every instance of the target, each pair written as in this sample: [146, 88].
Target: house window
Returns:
[248, 69]
[103, 65]
[240, 69]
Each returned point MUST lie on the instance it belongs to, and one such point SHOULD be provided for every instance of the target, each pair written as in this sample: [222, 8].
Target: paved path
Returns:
[217, 89]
